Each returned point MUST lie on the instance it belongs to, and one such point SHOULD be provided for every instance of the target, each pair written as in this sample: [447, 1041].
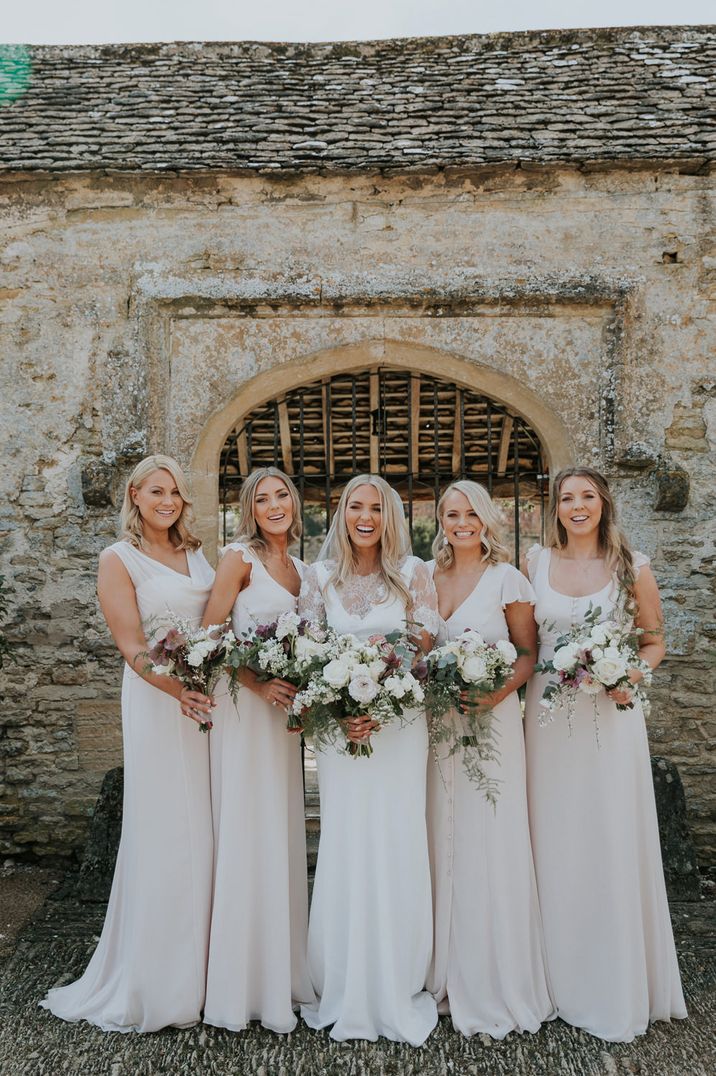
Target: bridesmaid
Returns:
[487, 968]
[149, 968]
[370, 930]
[257, 956]
[609, 945]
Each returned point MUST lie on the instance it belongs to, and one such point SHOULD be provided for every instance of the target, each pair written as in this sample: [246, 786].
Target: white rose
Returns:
[307, 648]
[376, 669]
[471, 641]
[363, 688]
[609, 670]
[507, 650]
[195, 657]
[598, 635]
[565, 658]
[597, 652]
[336, 673]
[286, 625]
[473, 668]
[396, 686]
[414, 686]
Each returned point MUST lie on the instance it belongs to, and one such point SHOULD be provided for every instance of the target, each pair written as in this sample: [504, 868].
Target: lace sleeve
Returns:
[311, 605]
[425, 599]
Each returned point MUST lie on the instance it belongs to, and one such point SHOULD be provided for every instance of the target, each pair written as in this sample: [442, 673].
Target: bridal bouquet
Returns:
[290, 649]
[373, 677]
[593, 656]
[467, 664]
[196, 656]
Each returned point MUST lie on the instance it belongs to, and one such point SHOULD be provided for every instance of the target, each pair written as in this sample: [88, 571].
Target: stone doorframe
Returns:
[159, 297]
[501, 387]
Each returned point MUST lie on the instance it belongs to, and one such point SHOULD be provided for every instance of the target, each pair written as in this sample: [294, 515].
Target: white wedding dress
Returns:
[257, 958]
[370, 929]
[608, 939]
[149, 968]
[488, 963]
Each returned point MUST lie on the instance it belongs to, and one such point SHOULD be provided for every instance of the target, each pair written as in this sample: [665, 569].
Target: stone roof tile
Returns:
[571, 96]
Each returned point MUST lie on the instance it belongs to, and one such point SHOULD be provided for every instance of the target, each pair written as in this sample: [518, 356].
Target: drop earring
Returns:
[445, 540]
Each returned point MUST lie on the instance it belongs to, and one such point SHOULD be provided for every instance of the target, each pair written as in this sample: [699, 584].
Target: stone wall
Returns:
[150, 312]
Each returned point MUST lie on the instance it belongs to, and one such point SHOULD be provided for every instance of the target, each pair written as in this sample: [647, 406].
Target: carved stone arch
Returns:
[478, 377]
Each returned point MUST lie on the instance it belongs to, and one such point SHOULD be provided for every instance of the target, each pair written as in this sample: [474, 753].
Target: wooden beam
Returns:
[456, 445]
[243, 448]
[504, 449]
[328, 431]
[415, 424]
[285, 432]
[374, 406]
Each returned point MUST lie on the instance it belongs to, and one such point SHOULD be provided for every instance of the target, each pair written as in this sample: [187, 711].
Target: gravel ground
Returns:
[55, 944]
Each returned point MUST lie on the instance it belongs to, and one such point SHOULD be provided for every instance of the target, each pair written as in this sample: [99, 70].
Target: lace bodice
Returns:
[361, 605]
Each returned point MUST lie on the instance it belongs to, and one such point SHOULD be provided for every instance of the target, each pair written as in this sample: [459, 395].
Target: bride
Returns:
[370, 931]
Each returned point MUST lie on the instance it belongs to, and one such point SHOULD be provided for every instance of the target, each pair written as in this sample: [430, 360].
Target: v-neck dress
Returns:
[257, 956]
[149, 968]
[608, 938]
[488, 963]
[370, 929]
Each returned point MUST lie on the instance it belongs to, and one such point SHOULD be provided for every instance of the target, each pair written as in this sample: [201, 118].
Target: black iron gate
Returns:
[420, 432]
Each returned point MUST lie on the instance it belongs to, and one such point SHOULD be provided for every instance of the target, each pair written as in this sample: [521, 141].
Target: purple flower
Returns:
[173, 640]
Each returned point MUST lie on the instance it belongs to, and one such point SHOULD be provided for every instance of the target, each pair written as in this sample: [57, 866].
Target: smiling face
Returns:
[159, 501]
[273, 506]
[364, 517]
[579, 506]
[462, 526]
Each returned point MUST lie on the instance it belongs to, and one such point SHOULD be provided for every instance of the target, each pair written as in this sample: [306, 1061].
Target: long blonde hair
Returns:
[249, 531]
[494, 551]
[394, 539]
[180, 533]
[612, 542]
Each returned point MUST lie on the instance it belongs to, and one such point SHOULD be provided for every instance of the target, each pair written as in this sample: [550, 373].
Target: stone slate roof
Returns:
[574, 96]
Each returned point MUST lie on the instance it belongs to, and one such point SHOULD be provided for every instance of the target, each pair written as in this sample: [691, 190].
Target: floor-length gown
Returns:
[370, 929]
[149, 968]
[608, 938]
[257, 954]
[488, 964]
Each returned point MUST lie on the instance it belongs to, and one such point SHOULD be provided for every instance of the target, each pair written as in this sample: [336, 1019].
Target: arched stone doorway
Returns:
[419, 416]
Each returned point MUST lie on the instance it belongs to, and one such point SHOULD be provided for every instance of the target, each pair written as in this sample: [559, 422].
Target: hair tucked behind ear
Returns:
[131, 519]
[612, 542]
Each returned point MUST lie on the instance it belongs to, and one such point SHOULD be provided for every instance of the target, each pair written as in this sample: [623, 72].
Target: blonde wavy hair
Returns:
[394, 539]
[494, 551]
[612, 542]
[249, 531]
[180, 533]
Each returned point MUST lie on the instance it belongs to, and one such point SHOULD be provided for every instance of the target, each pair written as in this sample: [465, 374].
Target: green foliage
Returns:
[423, 537]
